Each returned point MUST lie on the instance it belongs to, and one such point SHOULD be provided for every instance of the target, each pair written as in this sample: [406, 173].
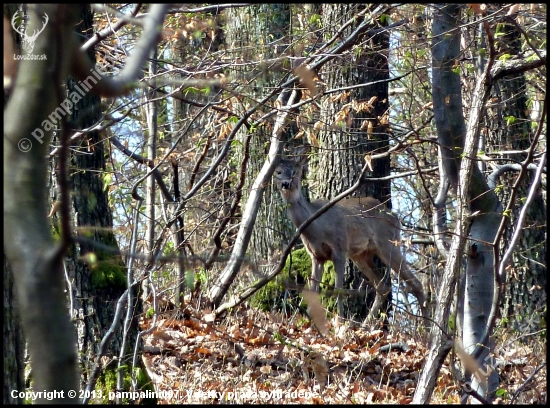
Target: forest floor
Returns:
[254, 357]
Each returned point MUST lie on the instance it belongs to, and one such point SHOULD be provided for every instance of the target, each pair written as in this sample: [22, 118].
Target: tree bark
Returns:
[262, 28]
[475, 197]
[35, 259]
[95, 288]
[343, 146]
[14, 343]
[524, 295]
[14, 340]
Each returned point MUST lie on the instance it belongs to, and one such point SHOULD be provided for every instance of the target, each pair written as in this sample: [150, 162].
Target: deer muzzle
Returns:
[285, 185]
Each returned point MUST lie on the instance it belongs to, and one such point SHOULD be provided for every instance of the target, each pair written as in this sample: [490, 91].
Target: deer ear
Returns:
[302, 154]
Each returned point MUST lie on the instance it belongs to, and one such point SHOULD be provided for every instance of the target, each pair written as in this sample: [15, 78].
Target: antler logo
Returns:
[28, 41]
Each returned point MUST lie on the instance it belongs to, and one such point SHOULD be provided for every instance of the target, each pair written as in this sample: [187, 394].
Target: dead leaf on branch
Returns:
[341, 97]
[364, 106]
[368, 160]
[370, 129]
[225, 130]
[318, 125]
[344, 115]
[308, 78]
[312, 139]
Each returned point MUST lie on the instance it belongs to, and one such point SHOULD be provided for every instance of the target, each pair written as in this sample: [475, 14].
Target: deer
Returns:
[355, 228]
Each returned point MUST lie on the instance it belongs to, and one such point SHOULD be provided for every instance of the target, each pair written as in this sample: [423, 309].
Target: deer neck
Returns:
[299, 209]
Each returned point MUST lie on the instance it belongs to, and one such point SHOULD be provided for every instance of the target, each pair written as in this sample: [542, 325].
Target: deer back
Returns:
[352, 226]
[368, 223]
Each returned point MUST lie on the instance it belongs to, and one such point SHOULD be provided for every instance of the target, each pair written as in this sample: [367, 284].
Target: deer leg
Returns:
[397, 263]
[316, 274]
[366, 265]
[339, 268]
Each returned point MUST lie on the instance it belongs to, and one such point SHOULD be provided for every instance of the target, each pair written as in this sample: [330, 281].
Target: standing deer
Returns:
[354, 228]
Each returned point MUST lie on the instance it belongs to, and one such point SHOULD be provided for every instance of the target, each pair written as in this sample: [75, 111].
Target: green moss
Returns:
[107, 383]
[327, 284]
[108, 273]
[285, 287]
[55, 234]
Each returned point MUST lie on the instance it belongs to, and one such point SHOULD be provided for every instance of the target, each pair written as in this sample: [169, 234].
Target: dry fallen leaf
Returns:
[210, 317]
[312, 139]
[370, 129]
[265, 369]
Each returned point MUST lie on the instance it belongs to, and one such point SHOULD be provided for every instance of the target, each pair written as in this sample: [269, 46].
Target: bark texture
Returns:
[343, 143]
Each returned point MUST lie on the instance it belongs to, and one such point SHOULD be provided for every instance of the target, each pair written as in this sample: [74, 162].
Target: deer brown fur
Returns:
[354, 228]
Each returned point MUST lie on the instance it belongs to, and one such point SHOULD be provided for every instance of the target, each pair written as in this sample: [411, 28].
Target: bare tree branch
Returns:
[132, 71]
[517, 66]
[110, 29]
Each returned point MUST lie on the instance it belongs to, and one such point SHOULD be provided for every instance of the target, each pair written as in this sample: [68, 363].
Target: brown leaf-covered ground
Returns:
[255, 357]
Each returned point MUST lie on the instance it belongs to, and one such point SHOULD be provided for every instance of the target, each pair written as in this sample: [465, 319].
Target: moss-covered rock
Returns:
[107, 383]
[286, 288]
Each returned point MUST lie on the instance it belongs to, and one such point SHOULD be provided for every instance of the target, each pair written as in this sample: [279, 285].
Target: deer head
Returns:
[288, 174]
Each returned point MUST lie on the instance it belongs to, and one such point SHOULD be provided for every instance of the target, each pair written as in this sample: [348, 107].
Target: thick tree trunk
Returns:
[475, 197]
[14, 343]
[524, 296]
[262, 29]
[262, 229]
[343, 146]
[35, 259]
[95, 289]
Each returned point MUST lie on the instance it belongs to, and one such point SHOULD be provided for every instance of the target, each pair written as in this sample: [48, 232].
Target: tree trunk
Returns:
[524, 296]
[14, 343]
[261, 224]
[95, 288]
[151, 115]
[343, 146]
[263, 29]
[474, 196]
[32, 254]
[14, 340]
